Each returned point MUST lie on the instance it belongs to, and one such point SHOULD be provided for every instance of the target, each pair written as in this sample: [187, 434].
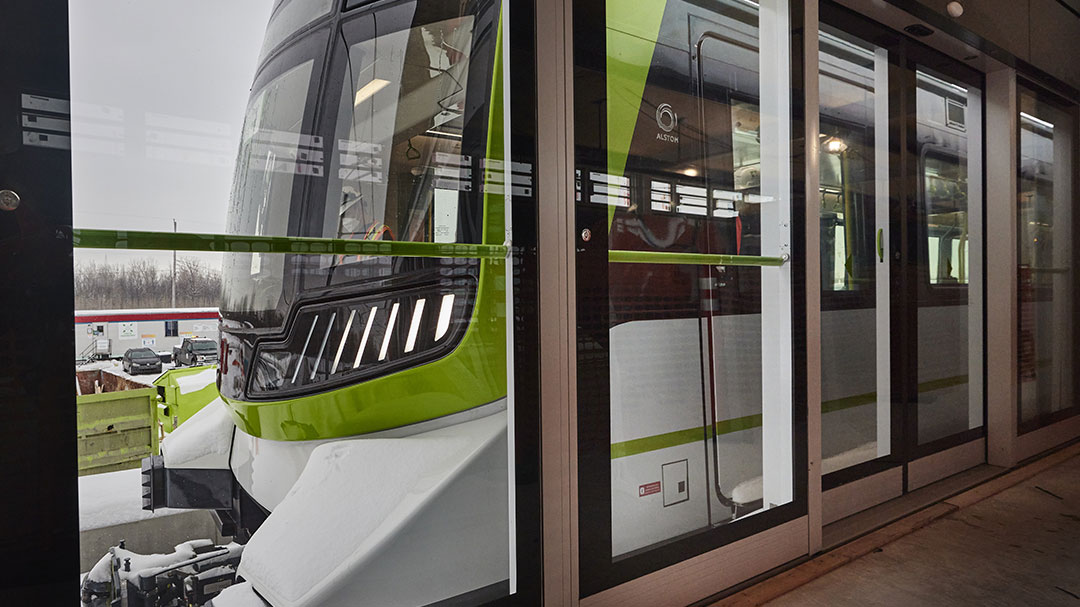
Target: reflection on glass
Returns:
[382, 381]
[949, 351]
[945, 187]
[400, 122]
[1046, 278]
[289, 17]
[263, 188]
[854, 217]
[699, 400]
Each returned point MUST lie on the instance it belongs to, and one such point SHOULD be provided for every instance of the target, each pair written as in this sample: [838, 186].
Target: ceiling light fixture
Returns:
[369, 89]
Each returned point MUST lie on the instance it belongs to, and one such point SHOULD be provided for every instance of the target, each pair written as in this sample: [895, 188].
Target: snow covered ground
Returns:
[114, 498]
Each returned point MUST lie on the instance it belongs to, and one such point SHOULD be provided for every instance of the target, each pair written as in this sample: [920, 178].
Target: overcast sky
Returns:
[158, 92]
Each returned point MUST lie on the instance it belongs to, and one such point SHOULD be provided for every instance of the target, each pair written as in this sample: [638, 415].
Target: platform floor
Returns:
[1018, 547]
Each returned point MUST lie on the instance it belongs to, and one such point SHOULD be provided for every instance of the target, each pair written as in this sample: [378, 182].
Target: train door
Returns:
[688, 435]
[901, 263]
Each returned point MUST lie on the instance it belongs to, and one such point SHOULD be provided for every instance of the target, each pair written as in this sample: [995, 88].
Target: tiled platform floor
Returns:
[1019, 547]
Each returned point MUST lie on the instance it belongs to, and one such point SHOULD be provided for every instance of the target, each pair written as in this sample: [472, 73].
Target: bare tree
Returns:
[142, 284]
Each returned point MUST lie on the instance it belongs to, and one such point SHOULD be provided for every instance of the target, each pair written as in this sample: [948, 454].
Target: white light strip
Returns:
[322, 347]
[389, 332]
[363, 340]
[369, 89]
[848, 45]
[945, 84]
[414, 326]
[444, 316]
[306, 342]
[344, 336]
[1042, 123]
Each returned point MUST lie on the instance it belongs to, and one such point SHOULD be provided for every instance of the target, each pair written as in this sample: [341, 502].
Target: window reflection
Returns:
[1046, 275]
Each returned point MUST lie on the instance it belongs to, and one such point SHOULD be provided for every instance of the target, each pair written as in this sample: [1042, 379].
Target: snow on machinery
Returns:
[360, 434]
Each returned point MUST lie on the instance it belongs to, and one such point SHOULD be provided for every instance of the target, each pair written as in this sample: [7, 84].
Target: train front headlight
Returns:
[349, 340]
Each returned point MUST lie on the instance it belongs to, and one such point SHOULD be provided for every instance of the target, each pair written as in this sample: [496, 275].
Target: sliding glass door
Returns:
[901, 259]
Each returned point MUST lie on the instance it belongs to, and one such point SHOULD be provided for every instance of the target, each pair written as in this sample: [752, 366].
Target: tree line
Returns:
[143, 284]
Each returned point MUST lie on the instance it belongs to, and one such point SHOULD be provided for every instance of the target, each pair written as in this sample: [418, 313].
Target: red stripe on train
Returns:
[134, 317]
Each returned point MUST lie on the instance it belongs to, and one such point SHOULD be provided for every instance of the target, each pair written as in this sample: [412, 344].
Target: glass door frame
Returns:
[906, 219]
[1072, 108]
[598, 572]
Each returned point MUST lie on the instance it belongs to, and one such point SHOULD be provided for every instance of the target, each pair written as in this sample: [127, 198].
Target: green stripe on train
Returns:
[682, 437]
[630, 45]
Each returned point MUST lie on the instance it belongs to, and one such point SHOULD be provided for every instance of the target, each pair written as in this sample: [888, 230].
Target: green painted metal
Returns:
[633, 28]
[689, 435]
[180, 405]
[228, 243]
[682, 437]
[847, 402]
[474, 374]
[116, 429]
[703, 259]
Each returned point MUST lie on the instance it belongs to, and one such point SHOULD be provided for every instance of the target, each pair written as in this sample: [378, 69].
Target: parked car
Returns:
[195, 351]
[141, 360]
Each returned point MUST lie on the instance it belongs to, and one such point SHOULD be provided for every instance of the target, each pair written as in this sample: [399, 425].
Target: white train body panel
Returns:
[657, 394]
[366, 514]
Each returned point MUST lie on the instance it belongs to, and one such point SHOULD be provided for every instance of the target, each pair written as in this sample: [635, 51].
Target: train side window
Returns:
[847, 165]
[1046, 256]
[945, 189]
[405, 124]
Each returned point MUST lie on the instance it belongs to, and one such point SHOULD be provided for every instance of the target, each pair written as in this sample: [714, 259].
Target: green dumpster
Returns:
[116, 429]
[184, 392]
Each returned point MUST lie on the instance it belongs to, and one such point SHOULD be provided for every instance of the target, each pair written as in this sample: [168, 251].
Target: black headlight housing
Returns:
[350, 335]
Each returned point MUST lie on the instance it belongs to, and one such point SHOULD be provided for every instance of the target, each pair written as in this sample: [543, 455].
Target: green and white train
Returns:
[359, 449]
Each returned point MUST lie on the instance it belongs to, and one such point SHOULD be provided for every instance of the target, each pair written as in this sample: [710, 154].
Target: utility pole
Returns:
[174, 268]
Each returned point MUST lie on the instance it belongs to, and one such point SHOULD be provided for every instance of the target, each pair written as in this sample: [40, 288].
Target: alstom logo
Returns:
[667, 120]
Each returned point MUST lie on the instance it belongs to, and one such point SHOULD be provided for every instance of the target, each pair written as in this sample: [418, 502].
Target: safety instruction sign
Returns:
[128, 330]
[649, 489]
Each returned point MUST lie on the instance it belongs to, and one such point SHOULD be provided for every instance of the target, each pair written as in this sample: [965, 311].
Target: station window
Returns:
[945, 185]
[849, 75]
[1046, 259]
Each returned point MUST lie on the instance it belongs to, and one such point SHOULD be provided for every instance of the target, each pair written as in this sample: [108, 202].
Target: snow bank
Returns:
[196, 381]
[203, 441]
[113, 498]
[97, 365]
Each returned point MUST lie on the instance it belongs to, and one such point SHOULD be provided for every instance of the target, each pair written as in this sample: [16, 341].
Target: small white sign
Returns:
[149, 342]
[128, 330]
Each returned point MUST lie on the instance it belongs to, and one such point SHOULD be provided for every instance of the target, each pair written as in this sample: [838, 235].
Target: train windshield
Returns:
[289, 17]
[390, 158]
[263, 187]
[398, 167]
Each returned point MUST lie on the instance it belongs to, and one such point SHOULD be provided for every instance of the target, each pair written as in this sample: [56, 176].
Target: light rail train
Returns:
[361, 433]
